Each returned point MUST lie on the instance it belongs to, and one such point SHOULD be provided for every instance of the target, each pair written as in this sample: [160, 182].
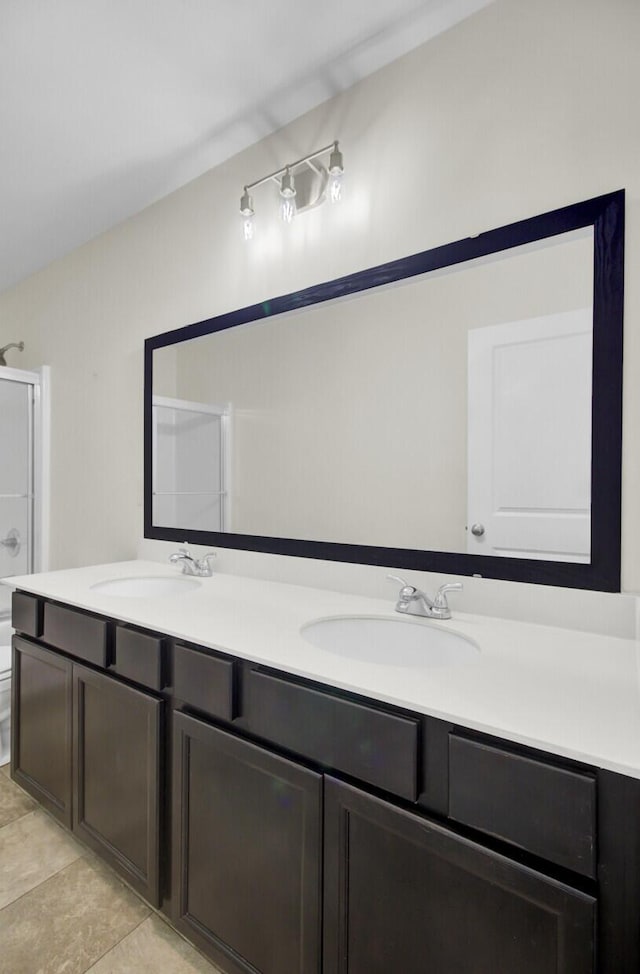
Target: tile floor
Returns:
[63, 912]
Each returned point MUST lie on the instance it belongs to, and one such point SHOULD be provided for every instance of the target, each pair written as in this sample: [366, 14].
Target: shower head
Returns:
[18, 345]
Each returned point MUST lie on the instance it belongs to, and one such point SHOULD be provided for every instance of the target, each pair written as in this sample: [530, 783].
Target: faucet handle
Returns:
[440, 601]
[179, 555]
[407, 591]
[396, 578]
[206, 559]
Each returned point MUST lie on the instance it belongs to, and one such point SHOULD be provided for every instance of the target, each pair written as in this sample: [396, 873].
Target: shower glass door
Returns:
[16, 477]
[191, 464]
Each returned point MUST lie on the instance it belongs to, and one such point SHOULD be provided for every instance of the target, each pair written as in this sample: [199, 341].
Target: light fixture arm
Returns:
[279, 173]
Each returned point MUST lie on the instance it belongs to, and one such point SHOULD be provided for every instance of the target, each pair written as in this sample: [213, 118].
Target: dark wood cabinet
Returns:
[441, 850]
[534, 805]
[41, 736]
[247, 829]
[117, 776]
[86, 745]
[371, 743]
[403, 893]
[204, 681]
[78, 634]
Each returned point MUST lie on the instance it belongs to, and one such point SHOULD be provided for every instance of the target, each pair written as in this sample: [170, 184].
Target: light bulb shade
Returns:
[288, 209]
[246, 205]
[335, 187]
[336, 162]
[288, 186]
[248, 227]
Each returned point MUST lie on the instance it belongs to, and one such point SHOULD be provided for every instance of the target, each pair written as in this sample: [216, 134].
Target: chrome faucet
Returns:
[194, 566]
[412, 601]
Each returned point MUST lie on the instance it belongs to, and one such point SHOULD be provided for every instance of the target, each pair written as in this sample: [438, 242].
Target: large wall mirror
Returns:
[458, 410]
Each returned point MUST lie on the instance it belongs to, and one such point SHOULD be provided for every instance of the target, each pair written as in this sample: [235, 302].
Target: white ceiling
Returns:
[108, 105]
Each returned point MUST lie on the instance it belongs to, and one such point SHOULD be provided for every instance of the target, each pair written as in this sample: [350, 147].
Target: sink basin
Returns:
[390, 642]
[146, 587]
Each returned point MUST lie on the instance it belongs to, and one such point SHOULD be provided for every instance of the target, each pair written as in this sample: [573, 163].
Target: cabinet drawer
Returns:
[81, 635]
[549, 811]
[139, 657]
[26, 614]
[373, 745]
[204, 681]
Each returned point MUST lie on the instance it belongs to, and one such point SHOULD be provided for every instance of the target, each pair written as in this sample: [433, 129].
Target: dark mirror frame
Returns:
[606, 215]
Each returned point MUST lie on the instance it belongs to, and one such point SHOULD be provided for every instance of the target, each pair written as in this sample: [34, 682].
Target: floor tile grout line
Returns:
[90, 855]
[117, 942]
[87, 970]
[18, 817]
[51, 818]
[38, 885]
[26, 815]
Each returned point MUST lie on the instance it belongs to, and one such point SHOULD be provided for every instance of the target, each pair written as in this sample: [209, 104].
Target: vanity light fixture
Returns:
[302, 185]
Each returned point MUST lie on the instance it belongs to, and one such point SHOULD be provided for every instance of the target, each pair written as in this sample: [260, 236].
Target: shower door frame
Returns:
[39, 451]
[224, 412]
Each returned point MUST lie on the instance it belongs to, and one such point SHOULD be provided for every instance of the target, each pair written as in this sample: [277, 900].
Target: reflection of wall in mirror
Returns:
[350, 418]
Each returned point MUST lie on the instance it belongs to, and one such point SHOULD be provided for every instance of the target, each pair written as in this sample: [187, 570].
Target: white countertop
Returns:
[571, 693]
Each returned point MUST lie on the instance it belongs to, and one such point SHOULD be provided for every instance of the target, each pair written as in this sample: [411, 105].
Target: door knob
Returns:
[477, 530]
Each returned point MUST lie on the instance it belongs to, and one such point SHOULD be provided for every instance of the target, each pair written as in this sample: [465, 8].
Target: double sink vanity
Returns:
[299, 790]
[309, 782]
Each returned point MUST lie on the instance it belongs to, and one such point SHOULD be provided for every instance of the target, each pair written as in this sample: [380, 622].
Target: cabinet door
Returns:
[247, 832]
[116, 748]
[41, 718]
[404, 894]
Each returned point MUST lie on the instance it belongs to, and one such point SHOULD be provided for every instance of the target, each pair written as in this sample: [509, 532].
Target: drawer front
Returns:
[204, 681]
[373, 745]
[139, 657]
[548, 811]
[26, 614]
[76, 633]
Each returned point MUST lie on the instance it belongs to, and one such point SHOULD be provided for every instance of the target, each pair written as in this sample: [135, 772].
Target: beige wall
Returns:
[522, 108]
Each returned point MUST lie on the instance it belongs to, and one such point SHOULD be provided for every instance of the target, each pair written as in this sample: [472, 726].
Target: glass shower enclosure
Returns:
[20, 435]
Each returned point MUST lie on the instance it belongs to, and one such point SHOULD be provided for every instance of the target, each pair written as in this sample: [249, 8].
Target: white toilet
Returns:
[5, 701]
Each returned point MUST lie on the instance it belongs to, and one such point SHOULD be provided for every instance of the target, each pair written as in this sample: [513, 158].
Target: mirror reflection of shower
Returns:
[18, 345]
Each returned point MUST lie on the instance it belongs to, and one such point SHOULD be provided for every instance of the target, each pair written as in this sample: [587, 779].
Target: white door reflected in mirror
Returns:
[529, 429]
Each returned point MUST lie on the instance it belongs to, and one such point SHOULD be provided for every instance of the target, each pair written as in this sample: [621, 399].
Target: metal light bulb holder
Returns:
[246, 204]
[288, 186]
[336, 162]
